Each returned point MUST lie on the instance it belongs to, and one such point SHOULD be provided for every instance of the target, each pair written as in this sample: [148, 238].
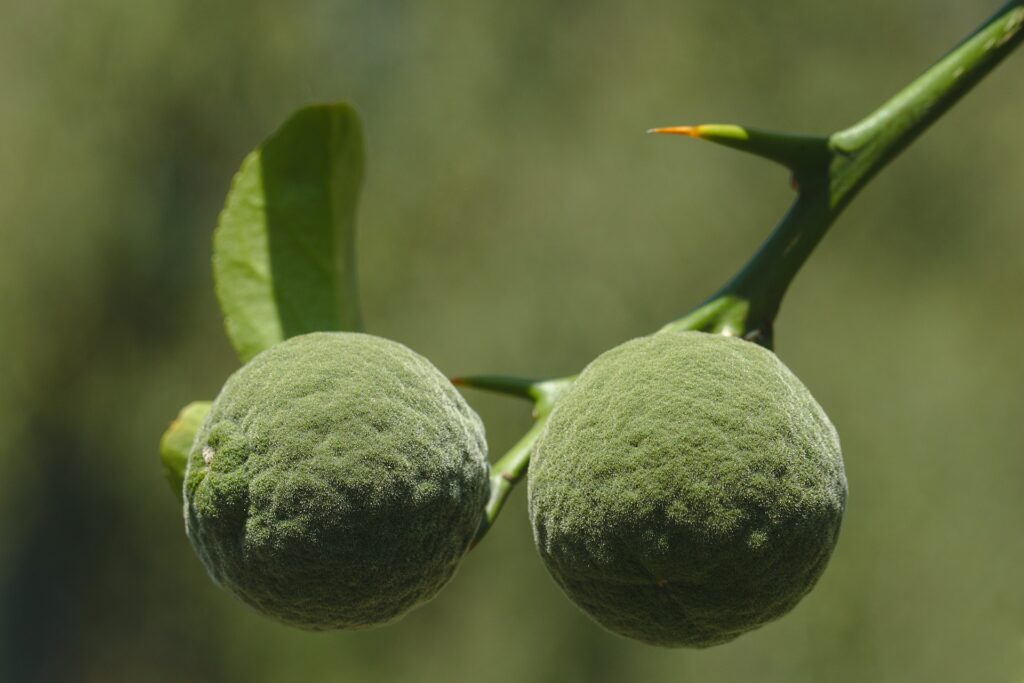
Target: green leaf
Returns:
[177, 442]
[284, 248]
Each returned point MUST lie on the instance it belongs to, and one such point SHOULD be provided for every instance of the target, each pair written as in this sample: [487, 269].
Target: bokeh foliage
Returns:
[515, 219]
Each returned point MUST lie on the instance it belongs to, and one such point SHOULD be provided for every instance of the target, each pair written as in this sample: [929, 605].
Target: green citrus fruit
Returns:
[336, 482]
[686, 489]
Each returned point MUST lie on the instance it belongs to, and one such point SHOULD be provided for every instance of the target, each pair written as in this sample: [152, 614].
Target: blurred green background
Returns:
[516, 219]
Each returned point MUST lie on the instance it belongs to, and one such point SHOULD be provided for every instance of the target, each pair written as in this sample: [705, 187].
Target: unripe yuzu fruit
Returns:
[686, 489]
[336, 482]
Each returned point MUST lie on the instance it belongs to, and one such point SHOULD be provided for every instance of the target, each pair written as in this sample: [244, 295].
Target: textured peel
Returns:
[336, 482]
[687, 489]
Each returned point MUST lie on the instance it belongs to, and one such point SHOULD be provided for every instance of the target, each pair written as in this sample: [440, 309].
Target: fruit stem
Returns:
[506, 473]
[511, 467]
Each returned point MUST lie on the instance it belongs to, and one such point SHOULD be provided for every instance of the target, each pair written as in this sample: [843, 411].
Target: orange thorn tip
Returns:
[457, 381]
[691, 131]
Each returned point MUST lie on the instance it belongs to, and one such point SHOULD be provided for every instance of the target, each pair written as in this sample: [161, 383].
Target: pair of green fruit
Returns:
[687, 488]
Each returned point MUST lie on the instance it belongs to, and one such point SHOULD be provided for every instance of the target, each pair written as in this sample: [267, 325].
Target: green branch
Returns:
[511, 467]
[827, 174]
[865, 148]
[506, 473]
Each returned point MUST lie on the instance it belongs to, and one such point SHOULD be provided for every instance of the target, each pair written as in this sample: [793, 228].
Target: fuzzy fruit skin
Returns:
[686, 489]
[336, 482]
